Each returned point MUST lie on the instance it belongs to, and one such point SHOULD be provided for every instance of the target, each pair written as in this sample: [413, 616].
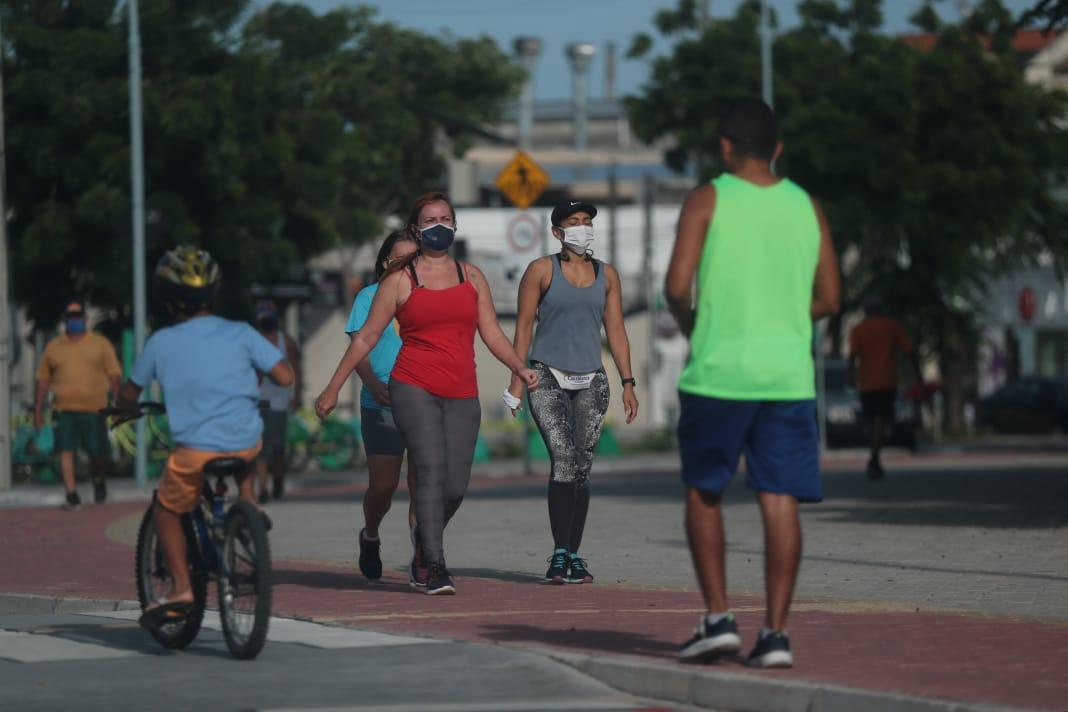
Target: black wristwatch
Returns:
[631, 381]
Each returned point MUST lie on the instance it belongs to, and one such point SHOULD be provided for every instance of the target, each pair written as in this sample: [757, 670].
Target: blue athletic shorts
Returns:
[780, 440]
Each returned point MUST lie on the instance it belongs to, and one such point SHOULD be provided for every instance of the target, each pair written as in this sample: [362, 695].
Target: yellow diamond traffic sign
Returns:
[522, 180]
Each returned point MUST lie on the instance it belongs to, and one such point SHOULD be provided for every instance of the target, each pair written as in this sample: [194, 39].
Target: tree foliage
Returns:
[937, 166]
[271, 135]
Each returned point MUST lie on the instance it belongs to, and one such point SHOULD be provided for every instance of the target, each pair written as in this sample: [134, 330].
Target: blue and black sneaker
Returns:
[772, 650]
[577, 571]
[710, 641]
[557, 572]
[439, 581]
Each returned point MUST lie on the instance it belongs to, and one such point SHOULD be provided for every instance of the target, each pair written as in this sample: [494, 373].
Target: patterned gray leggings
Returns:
[570, 423]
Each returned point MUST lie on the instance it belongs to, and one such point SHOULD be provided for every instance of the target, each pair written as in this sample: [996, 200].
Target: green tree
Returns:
[936, 167]
[270, 135]
[1052, 13]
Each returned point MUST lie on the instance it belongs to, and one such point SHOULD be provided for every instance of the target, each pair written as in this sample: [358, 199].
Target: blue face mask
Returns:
[437, 237]
[75, 326]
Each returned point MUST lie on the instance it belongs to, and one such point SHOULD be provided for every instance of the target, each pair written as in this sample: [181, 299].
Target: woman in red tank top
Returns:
[439, 303]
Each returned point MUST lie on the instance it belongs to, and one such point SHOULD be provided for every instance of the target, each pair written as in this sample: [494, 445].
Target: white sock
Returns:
[765, 632]
[713, 618]
[367, 538]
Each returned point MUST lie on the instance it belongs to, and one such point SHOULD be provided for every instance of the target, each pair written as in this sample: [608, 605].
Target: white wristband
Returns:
[510, 401]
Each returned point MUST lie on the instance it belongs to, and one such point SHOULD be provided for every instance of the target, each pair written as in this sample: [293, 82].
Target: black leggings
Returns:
[570, 423]
[440, 434]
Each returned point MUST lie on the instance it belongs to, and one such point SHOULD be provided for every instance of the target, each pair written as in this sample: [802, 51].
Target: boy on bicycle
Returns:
[209, 369]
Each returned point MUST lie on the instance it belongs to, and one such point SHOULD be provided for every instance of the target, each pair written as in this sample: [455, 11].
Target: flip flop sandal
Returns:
[165, 612]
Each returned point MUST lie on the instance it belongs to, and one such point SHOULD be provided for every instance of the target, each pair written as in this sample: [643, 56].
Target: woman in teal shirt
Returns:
[382, 441]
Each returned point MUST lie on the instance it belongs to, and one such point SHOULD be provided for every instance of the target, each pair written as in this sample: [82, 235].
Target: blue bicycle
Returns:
[227, 545]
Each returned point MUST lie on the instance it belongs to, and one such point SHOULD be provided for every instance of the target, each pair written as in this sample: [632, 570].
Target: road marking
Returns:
[604, 704]
[33, 648]
[315, 635]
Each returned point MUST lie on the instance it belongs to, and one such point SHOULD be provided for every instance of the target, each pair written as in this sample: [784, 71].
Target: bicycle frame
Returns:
[208, 521]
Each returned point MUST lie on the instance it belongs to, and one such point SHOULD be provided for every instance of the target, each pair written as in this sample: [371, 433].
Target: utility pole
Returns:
[765, 54]
[6, 349]
[649, 288]
[137, 201]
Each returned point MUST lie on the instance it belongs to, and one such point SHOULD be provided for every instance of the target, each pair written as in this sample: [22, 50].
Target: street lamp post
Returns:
[765, 54]
[6, 347]
[137, 200]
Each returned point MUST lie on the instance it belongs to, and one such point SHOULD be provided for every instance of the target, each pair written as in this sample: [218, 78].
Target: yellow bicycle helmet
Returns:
[187, 278]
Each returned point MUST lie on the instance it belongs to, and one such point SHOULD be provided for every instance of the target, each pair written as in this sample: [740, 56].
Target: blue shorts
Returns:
[780, 440]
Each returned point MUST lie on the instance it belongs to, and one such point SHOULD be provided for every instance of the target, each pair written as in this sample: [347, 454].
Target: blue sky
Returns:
[558, 22]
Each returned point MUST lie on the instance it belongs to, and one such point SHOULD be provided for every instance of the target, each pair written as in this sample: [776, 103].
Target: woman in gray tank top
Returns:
[572, 295]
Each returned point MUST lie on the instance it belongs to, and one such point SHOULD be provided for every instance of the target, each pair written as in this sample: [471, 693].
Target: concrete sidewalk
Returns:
[873, 645]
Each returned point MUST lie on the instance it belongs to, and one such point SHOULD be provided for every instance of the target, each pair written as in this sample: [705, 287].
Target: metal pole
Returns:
[5, 314]
[528, 49]
[137, 200]
[765, 54]
[649, 289]
[613, 225]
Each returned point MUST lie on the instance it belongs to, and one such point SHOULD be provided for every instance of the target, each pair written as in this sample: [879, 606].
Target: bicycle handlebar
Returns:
[123, 415]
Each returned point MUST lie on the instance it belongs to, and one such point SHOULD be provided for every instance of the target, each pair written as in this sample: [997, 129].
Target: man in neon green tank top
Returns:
[765, 267]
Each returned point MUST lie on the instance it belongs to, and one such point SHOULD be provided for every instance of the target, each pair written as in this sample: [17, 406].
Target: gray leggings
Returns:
[440, 434]
[570, 423]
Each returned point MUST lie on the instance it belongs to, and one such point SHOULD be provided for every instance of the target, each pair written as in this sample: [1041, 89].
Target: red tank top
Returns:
[437, 330]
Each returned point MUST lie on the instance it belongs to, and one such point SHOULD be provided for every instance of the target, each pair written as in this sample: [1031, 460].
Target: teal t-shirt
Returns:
[384, 354]
[209, 368]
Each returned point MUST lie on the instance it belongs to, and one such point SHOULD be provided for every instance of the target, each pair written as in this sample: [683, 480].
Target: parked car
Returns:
[1031, 405]
[844, 420]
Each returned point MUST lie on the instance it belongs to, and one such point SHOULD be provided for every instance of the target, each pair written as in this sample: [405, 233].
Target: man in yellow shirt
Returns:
[80, 368]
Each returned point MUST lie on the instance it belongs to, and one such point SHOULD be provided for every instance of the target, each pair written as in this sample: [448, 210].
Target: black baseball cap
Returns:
[565, 210]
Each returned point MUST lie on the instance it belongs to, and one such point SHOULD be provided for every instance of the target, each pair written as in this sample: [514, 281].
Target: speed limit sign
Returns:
[524, 243]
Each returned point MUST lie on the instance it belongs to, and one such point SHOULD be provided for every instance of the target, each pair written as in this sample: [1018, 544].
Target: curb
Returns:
[30, 604]
[732, 692]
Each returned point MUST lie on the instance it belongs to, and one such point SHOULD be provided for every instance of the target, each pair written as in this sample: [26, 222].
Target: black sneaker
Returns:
[100, 491]
[278, 489]
[711, 641]
[370, 556]
[417, 572]
[557, 572]
[264, 498]
[875, 470]
[73, 501]
[772, 650]
[439, 582]
[577, 571]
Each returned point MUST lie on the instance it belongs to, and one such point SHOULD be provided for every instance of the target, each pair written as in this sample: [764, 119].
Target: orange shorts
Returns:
[183, 476]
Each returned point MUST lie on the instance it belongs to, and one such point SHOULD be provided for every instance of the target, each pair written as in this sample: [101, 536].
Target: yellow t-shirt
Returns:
[78, 371]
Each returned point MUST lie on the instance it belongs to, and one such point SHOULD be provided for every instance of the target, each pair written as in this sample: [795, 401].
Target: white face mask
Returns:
[579, 238]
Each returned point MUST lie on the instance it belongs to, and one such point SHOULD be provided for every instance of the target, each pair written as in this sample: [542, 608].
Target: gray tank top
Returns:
[569, 323]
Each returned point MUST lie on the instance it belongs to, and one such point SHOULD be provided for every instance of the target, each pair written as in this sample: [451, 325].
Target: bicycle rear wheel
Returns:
[154, 581]
[245, 591]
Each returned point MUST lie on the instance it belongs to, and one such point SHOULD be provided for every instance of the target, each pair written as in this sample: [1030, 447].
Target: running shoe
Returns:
[711, 641]
[557, 572]
[875, 470]
[278, 488]
[417, 572]
[439, 582]
[772, 650]
[577, 571]
[370, 556]
[264, 498]
[100, 491]
[73, 501]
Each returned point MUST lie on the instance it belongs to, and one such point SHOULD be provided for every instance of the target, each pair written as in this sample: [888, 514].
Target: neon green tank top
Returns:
[753, 336]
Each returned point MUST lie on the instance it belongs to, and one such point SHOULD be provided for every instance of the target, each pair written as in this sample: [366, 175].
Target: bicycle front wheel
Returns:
[154, 581]
[245, 587]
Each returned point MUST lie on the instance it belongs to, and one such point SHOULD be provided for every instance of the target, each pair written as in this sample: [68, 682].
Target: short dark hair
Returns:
[751, 126]
[387, 246]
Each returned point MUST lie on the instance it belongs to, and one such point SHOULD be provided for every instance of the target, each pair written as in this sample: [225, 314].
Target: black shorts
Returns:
[878, 404]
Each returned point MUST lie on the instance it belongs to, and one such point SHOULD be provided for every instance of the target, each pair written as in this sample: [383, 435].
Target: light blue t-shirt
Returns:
[384, 354]
[208, 369]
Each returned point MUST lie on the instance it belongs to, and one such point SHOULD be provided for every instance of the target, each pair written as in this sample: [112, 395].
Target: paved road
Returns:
[991, 541]
[106, 662]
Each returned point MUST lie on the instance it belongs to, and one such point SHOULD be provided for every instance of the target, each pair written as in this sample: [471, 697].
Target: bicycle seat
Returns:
[223, 466]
